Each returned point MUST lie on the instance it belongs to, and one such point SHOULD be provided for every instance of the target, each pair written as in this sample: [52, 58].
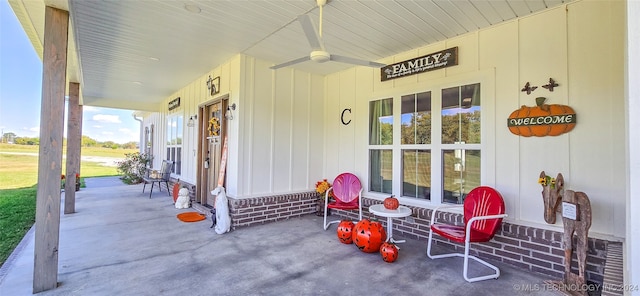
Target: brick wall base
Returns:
[259, 210]
[524, 247]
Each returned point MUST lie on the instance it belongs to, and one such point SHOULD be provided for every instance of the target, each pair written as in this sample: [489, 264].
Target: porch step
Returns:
[613, 280]
[203, 209]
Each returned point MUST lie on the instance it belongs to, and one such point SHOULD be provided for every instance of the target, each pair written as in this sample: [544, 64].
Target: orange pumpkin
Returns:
[368, 236]
[389, 252]
[542, 120]
[345, 231]
[391, 203]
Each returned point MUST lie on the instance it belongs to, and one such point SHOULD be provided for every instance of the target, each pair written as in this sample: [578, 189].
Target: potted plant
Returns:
[63, 180]
[321, 189]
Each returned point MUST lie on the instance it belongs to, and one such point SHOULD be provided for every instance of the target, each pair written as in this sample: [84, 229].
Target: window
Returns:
[174, 142]
[381, 171]
[461, 114]
[416, 118]
[381, 122]
[436, 158]
[380, 135]
[416, 173]
[415, 130]
[460, 129]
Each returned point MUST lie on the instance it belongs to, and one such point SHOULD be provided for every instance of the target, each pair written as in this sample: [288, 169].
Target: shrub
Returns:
[133, 167]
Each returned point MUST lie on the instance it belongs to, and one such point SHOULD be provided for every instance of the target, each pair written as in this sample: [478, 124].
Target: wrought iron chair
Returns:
[347, 195]
[162, 176]
[483, 213]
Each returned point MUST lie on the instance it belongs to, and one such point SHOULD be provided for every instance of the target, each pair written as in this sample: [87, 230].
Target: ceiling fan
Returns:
[318, 53]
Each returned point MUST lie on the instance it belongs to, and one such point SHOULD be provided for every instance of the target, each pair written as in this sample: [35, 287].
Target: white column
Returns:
[632, 255]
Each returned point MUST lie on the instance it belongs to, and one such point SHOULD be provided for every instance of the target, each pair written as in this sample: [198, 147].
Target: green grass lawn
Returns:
[18, 179]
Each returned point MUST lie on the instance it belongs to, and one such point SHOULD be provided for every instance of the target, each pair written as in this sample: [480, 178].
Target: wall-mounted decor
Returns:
[213, 85]
[433, 61]
[552, 83]
[175, 103]
[528, 88]
[542, 120]
[345, 122]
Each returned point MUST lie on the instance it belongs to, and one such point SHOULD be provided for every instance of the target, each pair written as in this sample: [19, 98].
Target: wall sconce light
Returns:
[210, 84]
[229, 114]
[213, 85]
[192, 121]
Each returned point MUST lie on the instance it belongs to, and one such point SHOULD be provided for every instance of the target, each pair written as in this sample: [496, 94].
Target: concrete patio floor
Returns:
[120, 242]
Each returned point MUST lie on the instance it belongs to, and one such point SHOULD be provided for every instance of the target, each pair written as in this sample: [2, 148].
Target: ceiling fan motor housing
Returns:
[319, 56]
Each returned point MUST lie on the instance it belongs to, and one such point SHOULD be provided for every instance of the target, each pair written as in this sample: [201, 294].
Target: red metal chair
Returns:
[347, 195]
[483, 213]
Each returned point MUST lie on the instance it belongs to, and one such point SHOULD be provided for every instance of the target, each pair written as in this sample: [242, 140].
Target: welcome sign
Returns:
[433, 61]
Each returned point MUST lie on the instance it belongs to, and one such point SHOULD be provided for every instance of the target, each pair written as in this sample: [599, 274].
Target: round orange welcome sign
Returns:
[542, 120]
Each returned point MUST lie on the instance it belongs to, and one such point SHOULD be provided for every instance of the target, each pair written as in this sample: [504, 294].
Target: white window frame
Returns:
[486, 79]
[174, 131]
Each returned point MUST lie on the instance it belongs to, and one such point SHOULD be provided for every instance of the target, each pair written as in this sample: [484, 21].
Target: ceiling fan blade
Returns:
[289, 63]
[310, 31]
[354, 61]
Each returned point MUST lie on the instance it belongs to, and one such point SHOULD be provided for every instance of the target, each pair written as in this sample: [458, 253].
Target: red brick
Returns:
[546, 257]
[510, 255]
[536, 247]
[536, 262]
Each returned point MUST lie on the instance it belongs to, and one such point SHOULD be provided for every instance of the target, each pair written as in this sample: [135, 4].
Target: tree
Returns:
[130, 145]
[88, 142]
[8, 137]
[27, 141]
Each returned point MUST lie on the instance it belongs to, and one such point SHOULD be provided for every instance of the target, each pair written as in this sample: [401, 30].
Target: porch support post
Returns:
[74, 137]
[632, 240]
[47, 229]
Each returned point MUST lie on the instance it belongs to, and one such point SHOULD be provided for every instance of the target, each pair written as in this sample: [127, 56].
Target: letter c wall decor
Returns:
[342, 117]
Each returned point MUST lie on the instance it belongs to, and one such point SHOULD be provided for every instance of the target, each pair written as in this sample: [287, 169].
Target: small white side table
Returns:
[380, 210]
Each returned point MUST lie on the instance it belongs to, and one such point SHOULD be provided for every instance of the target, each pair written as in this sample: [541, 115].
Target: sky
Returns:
[21, 91]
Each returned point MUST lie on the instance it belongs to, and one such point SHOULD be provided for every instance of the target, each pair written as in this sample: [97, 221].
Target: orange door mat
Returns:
[191, 217]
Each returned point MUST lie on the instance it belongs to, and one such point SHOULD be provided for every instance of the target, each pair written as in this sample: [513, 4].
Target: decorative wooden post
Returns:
[74, 138]
[576, 219]
[54, 71]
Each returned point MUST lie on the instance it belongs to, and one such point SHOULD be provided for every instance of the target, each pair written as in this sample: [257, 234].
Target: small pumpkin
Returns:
[542, 120]
[345, 231]
[368, 236]
[391, 203]
[389, 252]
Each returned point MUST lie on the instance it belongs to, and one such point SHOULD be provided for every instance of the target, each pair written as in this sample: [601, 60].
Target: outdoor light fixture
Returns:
[228, 114]
[192, 121]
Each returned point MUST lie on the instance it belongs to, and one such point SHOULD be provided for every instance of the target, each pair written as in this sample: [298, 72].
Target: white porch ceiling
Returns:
[133, 54]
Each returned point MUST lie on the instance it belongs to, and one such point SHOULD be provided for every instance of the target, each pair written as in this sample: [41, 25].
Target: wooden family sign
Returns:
[542, 120]
[433, 61]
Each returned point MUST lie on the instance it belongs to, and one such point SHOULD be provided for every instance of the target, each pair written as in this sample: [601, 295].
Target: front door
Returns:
[212, 132]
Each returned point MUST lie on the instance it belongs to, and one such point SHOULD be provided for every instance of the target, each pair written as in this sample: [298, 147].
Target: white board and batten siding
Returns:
[287, 131]
[579, 45]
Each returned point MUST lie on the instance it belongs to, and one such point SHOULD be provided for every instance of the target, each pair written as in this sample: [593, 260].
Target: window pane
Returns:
[178, 163]
[461, 114]
[179, 129]
[461, 173]
[416, 118]
[416, 173]
[381, 122]
[380, 171]
[169, 131]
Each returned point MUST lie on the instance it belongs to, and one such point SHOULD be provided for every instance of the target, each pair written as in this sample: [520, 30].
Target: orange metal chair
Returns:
[483, 213]
[347, 193]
